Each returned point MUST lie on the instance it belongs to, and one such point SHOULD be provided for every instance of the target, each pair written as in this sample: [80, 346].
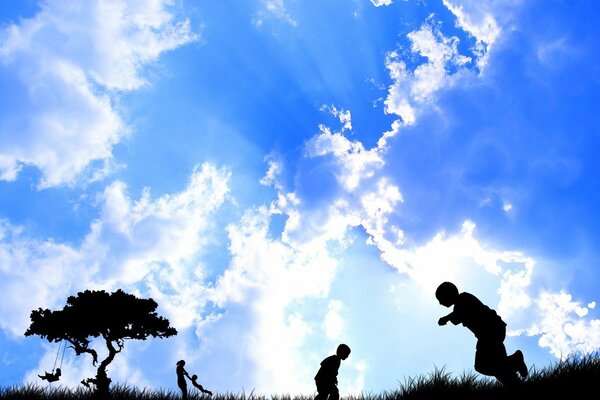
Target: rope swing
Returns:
[56, 372]
[64, 347]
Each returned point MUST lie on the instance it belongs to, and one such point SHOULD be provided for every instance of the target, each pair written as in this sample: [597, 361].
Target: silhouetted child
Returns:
[181, 374]
[326, 378]
[199, 386]
[51, 377]
[489, 329]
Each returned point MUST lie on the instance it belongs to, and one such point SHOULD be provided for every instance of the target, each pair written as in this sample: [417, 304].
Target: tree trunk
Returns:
[102, 384]
[102, 381]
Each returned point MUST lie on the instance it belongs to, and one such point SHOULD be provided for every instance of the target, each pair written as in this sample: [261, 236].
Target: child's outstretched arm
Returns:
[449, 318]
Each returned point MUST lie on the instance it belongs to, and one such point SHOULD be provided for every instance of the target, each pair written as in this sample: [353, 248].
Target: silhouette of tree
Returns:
[112, 317]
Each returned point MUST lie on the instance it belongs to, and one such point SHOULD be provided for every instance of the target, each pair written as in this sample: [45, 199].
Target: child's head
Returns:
[343, 351]
[446, 293]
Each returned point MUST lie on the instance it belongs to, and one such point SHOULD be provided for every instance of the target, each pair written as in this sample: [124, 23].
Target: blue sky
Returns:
[282, 176]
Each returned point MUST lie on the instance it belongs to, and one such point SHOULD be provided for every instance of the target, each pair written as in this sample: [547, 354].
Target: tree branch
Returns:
[83, 348]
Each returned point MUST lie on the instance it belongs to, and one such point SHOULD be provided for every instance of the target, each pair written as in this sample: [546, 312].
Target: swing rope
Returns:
[63, 355]
[57, 353]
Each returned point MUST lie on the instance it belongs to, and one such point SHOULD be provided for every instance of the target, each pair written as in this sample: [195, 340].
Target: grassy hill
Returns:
[575, 375]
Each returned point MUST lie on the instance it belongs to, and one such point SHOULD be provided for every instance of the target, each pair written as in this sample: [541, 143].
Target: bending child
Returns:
[326, 378]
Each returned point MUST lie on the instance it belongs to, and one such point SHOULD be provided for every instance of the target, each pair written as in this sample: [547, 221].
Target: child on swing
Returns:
[51, 377]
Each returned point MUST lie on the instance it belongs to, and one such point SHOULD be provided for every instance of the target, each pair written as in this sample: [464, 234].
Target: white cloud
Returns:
[274, 171]
[379, 3]
[69, 62]
[344, 116]
[275, 8]
[356, 163]
[440, 51]
[398, 99]
[152, 243]
[377, 205]
[413, 90]
[333, 324]
[367, 199]
[562, 327]
[479, 19]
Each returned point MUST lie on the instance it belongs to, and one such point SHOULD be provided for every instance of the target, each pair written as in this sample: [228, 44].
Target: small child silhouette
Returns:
[51, 377]
[489, 329]
[326, 378]
[199, 386]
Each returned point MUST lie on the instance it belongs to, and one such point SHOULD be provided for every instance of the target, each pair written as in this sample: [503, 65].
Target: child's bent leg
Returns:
[322, 392]
[517, 363]
[508, 378]
[334, 394]
[490, 358]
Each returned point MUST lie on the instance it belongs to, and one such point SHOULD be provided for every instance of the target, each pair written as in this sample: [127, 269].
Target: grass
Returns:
[576, 374]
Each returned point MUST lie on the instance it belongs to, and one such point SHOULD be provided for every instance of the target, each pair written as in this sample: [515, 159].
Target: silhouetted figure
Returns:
[489, 329]
[326, 378]
[199, 386]
[51, 377]
[181, 374]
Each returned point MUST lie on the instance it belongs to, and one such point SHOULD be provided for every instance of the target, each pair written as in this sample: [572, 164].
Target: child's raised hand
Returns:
[442, 321]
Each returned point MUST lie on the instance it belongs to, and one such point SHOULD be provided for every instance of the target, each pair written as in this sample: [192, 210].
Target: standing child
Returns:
[326, 378]
[489, 329]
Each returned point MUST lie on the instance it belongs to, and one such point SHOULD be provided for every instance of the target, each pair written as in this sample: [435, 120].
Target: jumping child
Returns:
[489, 329]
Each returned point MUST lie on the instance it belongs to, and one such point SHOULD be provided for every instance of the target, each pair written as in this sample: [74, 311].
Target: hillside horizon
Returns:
[576, 373]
